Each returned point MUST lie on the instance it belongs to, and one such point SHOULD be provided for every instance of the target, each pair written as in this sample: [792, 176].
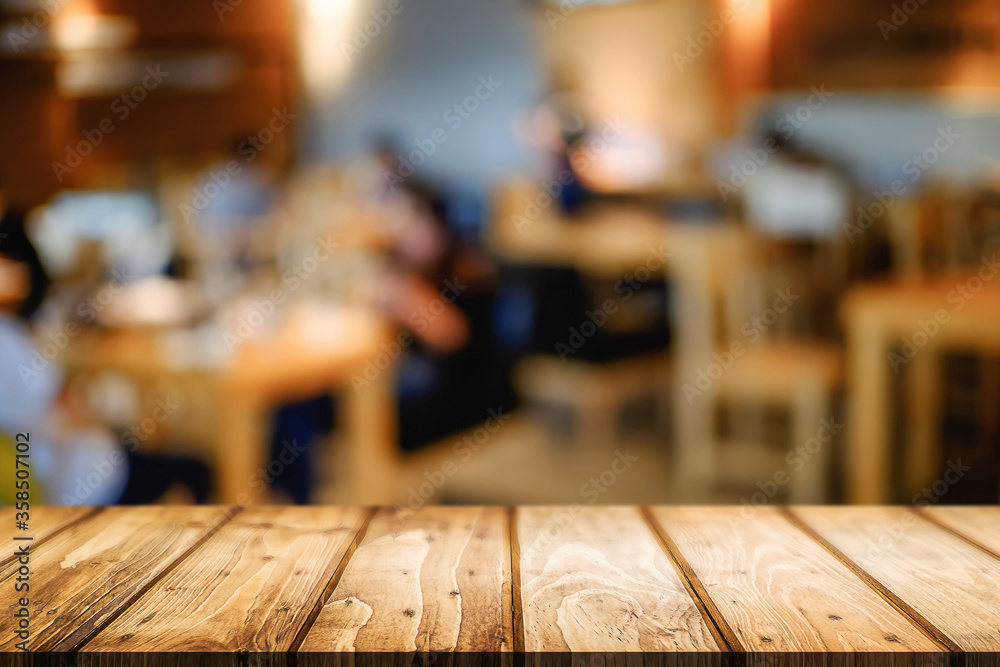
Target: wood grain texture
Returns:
[434, 579]
[980, 525]
[43, 522]
[781, 591]
[597, 579]
[84, 575]
[250, 586]
[952, 584]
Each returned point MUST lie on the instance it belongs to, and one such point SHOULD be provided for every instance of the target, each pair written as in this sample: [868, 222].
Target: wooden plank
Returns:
[980, 525]
[947, 581]
[781, 591]
[43, 522]
[597, 579]
[251, 586]
[434, 579]
[83, 576]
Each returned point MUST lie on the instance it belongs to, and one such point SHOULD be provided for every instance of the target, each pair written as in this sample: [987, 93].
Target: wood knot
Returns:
[409, 613]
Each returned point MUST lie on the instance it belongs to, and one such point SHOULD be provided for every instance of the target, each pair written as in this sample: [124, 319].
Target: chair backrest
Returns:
[733, 286]
[946, 228]
[715, 287]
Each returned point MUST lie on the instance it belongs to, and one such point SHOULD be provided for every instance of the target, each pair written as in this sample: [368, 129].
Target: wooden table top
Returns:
[314, 348]
[716, 580]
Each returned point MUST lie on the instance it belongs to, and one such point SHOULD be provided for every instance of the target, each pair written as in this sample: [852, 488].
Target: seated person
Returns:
[73, 459]
[440, 290]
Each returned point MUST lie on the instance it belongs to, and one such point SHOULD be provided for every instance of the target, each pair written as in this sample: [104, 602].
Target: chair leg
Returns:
[694, 435]
[597, 427]
[810, 469]
[923, 395]
[989, 401]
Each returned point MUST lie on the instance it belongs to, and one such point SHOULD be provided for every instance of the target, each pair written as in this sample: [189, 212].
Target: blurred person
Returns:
[435, 286]
[68, 449]
[801, 198]
[234, 190]
[229, 205]
[557, 126]
[440, 288]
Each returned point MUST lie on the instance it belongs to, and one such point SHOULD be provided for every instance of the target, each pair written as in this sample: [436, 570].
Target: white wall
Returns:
[429, 57]
[878, 134]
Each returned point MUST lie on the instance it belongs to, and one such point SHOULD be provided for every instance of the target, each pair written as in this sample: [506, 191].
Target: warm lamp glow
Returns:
[77, 32]
[324, 27]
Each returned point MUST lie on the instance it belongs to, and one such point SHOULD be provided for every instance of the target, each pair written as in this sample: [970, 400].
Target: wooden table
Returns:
[599, 580]
[316, 350]
[963, 312]
[608, 242]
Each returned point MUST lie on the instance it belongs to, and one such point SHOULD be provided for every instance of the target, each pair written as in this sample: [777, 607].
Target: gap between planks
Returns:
[360, 529]
[957, 532]
[229, 512]
[721, 631]
[516, 613]
[725, 637]
[915, 617]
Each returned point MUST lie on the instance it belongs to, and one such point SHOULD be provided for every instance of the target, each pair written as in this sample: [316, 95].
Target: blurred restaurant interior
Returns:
[501, 251]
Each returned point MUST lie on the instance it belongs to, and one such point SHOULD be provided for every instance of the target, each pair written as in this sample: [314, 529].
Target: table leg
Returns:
[694, 408]
[923, 449]
[809, 485]
[241, 454]
[868, 415]
[369, 415]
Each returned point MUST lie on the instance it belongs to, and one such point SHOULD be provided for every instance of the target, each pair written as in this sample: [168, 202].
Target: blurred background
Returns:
[501, 251]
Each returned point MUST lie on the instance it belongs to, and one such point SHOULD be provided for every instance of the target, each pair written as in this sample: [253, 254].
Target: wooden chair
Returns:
[945, 229]
[719, 360]
[595, 393]
[527, 229]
